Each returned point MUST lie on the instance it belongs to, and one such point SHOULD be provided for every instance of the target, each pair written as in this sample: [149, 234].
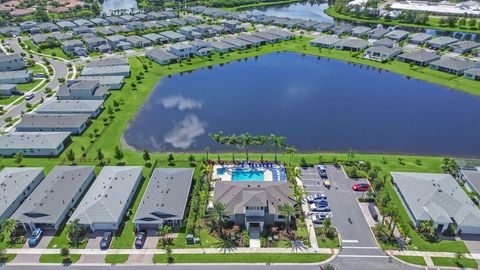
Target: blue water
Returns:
[221, 171]
[307, 11]
[319, 104]
[247, 175]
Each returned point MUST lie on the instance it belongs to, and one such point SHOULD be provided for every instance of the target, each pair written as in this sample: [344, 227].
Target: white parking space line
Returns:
[364, 256]
[361, 247]
[349, 241]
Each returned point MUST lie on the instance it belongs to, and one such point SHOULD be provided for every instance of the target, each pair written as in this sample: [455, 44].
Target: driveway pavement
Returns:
[46, 238]
[92, 259]
[94, 239]
[140, 259]
[27, 258]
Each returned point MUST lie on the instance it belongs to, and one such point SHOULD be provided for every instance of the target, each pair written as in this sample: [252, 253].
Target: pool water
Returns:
[247, 175]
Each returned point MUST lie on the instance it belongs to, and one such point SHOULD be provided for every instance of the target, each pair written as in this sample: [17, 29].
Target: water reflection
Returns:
[183, 134]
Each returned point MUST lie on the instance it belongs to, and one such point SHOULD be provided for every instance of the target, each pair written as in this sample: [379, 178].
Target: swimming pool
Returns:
[247, 175]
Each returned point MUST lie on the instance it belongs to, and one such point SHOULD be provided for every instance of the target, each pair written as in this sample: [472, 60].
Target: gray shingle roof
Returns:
[327, 40]
[473, 177]
[13, 181]
[108, 61]
[74, 106]
[105, 70]
[53, 120]
[437, 197]
[465, 45]
[238, 194]
[454, 63]
[172, 35]
[33, 140]
[420, 55]
[420, 37]
[106, 200]
[166, 196]
[160, 55]
[53, 194]
[442, 41]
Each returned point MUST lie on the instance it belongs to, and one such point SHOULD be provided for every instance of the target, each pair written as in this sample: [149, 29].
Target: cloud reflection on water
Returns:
[183, 134]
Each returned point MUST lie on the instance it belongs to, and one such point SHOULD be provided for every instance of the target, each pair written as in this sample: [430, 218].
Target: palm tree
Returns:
[219, 214]
[327, 267]
[218, 138]
[291, 150]
[75, 232]
[261, 141]
[287, 211]
[297, 193]
[277, 143]
[164, 230]
[247, 141]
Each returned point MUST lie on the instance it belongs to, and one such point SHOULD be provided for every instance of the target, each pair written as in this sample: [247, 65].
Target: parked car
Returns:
[373, 211]
[327, 184]
[316, 197]
[322, 171]
[318, 218]
[29, 96]
[361, 187]
[140, 239]
[106, 240]
[320, 207]
[35, 238]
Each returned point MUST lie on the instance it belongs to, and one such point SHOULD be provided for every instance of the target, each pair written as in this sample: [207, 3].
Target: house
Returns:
[105, 204]
[464, 46]
[11, 62]
[118, 29]
[201, 47]
[190, 32]
[471, 178]
[156, 38]
[137, 25]
[90, 107]
[441, 42]
[48, 27]
[472, 74]
[7, 90]
[129, 18]
[38, 39]
[66, 25]
[48, 205]
[360, 31]
[206, 30]
[419, 38]
[119, 42]
[309, 24]
[139, 42]
[74, 48]
[27, 25]
[73, 123]
[16, 77]
[222, 47]
[419, 58]
[382, 53]
[254, 41]
[378, 33]
[94, 43]
[235, 42]
[192, 19]
[270, 38]
[107, 62]
[107, 71]
[83, 22]
[384, 42]
[84, 90]
[181, 50]
[144, 17]
[325, 41]
[165, 199]
[324, 26]
[81, 30]
[352, 44]
[173, 36]
[110, 82]
[452, 65]
[397, 35]
[233, 26]
[16, 184]
[34, 143]
[61, 36]
[253, 204]
[115, 20]
[10, 31]
[283, 34]
[100, 22]
[161, 56]
[437, 197]
[342, 29]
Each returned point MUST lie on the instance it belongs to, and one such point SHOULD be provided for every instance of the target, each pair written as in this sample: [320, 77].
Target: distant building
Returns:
[419, 38]
[382, 53]
[16, 77]
[84, 90]
[7, 90]
[352, 44]
[107, 71]
[34, 143]
[90, 107]
[11, 62]
[74, 123]
[161, 56]
[452, 65]
[441, 42]
[419, 58]
[325, 41]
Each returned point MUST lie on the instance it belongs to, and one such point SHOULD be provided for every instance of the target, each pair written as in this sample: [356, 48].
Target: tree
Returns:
[18, 159]
[65, 253]
[472, 22]
[71, 156]
[164, 230]
[327, 267]
[118, 154]
[462, 22]
[290, 150]
[146, 156]
[9, 227]
[100, 156]
[191, 159]
[287, 211]
[75, 232]
[219, 139]
[171, 160]
[277, 143]
[218, 216]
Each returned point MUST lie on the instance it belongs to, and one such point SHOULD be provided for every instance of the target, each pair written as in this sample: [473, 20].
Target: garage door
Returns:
[470, 230]
[103, 226]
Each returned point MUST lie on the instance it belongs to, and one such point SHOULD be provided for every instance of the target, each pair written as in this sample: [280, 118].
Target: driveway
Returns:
[92, 259]
[348, 218]
[151, 241]
[26, 258]
[94, 239]
[140, 259]
[46, 238]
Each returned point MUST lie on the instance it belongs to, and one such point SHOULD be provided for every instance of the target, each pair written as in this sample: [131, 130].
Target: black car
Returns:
[140, 239]
[106, 240]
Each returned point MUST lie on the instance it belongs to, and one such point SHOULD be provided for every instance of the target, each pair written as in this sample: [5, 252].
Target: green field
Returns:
[418, 260]
[57, 258]
[116, 258]
[244, 258]
[453, 262]
[57, 52]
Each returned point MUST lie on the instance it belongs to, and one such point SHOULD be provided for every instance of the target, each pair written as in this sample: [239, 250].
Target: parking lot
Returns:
[348, 217]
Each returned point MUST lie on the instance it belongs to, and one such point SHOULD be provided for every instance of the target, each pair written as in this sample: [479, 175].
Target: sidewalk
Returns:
[162, 251]
[311, 230]
[430, 254]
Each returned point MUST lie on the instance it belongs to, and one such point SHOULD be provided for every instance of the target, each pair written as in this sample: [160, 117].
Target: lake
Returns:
[317, 103]
[304, 10]
[110, 5]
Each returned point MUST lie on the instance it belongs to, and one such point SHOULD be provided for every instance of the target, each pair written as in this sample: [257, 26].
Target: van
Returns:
[322, 171]
[373, 211]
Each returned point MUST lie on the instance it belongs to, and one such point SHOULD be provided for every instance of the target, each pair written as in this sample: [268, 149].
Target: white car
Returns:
[316, 197]
[318, 218]
[320, 207]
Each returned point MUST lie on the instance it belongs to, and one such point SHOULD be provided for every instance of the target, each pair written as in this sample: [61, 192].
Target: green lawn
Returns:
[61, 240]
[116, 258]
[8, 100]
[433, 22]
[57, 258]
[413, 260]
[207, 240]
[26, 87]
[7, 258]
[328, 243]
[50, 51]
[243, 258]
[5, 243]
[453, 262]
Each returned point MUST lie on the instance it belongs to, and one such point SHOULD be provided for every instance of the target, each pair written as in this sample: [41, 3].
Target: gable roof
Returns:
[166, 196]
[106, 200]
[53, 120]
[32, 140]
[73, 106]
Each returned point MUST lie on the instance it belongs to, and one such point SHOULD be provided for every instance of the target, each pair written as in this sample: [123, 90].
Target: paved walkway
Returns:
[430, 254]
[255, 238]
[305, 209]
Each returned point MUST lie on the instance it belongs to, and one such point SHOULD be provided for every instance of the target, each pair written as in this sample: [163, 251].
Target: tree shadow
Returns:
[225, 246]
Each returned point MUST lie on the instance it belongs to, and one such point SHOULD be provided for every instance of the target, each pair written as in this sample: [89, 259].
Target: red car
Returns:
[361, 187]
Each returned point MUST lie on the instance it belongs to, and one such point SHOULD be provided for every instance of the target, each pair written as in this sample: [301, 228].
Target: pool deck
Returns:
[227, 176]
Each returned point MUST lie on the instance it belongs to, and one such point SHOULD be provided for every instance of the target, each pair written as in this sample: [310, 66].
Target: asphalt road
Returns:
[60, 68]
